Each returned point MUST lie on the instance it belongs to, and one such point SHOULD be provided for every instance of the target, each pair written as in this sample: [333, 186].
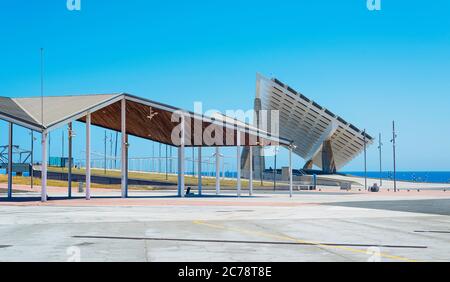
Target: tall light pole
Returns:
[365, 160]
[394, 136]
[380, 145]
[44, 162]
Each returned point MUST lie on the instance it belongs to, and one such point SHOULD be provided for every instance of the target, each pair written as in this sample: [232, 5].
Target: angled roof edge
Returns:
[34, 124]
[20, 117]
[93, 108]
[26, 111]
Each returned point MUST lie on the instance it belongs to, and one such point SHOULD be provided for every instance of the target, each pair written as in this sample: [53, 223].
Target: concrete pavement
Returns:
[312, 226]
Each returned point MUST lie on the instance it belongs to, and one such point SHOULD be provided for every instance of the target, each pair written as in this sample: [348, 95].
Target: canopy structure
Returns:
[145, 118]
[321, 137]
[134, 116]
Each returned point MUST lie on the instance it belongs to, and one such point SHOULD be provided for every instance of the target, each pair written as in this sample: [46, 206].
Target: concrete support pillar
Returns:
[10, 160]
[88, 156]
[238, 163]
[328, 164]
[290, 172]
[250, 183]
[124, 149]
[69, 169]
[44, 168]
[217, 170]
[199, 170]
[258, 161]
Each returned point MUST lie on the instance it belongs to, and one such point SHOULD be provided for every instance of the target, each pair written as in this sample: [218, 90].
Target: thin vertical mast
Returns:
[381, 168]
[394, 136]
[365, 160]
[42, 87]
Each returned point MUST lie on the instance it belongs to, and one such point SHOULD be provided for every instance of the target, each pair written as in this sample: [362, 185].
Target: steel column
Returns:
[290, 172]
[217, 170]
[88, 156]
[199, 168]
[69, 169]
[44, 168]
[181, 161]
[250, 184]
[10, 160]
[104, 156]
[238, 162]
[124, 150]
[181, 166]
[32, 159]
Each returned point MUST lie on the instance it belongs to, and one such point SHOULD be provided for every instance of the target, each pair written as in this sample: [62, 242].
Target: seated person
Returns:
[375, 188]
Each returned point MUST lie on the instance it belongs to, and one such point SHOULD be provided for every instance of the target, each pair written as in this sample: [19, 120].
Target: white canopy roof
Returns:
[308, 124]
[59, 108]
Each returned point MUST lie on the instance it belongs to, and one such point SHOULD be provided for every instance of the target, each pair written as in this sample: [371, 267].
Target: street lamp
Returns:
[394, 136]
[365, 160]
[380, 145]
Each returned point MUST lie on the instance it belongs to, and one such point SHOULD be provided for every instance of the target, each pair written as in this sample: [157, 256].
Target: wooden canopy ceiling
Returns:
[155, 123]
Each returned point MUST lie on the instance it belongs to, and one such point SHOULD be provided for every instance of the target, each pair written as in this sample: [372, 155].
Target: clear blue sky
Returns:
[368, 66]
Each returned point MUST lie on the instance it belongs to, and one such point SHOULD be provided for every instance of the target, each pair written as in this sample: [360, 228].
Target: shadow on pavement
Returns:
[24, 199]
[429, 206]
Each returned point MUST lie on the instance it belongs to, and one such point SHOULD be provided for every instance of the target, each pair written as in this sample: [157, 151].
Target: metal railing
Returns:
[162, 165]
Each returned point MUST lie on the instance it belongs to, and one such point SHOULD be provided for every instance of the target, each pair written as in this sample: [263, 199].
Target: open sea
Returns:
[415, 176]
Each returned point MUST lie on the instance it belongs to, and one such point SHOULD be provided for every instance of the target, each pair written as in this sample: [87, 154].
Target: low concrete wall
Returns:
[97, 179]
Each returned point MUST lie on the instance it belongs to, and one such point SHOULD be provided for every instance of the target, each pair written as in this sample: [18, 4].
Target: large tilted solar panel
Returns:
[308, 124]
